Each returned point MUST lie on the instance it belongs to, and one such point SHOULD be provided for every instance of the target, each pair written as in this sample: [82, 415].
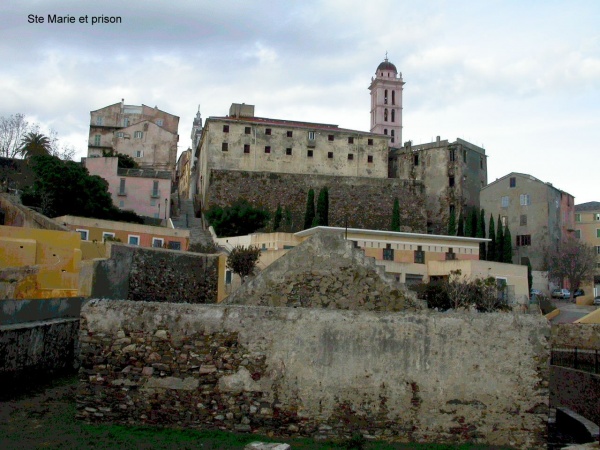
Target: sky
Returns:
[519, 78]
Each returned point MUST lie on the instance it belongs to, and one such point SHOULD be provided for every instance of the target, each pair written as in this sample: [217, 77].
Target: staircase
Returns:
[187, 220]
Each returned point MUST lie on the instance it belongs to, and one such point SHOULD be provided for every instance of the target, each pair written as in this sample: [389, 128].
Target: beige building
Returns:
[182, 174]
[538, 214]
[147, 134]
[243, 142]
[587, 228]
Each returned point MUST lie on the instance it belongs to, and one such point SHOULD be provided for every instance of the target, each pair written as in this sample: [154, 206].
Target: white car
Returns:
[561, 293]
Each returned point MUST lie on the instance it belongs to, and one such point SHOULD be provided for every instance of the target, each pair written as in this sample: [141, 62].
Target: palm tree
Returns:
[35, 144]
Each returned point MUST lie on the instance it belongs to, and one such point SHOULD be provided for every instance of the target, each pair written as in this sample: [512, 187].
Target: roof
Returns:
[144, 173]
[525, 175]
[386, 65]
[292, 123]
[588, 206]
[398, 234]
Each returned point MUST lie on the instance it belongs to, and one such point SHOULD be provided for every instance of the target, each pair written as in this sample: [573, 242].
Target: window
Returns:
[350, 156]
[125, 122]
[311, 135]
[451, 181]
[385, 131]
[330, 137]
[513, 182]
[577, 217]
[330, 155]
[267, 149]
[159, 122]
[523, 240]
[392, 134]
[309, 153]
[139, 153]
[505, 201]
[288, 151]
[247, 130]
[138, 134]
[416, 159]
[121, 203]
[107, 236]
[451, 154]
[370, 158]
[385, 97]
[464, 155]
[388, 253]
[385, 115]
[224, 147]
[225, 128]
[289, 134]
[350, 140]
[419, 255]
[393, 115]
[268, 131]
[174, 245]
[84, 234]
[450, 255]
[122, 190]
[99, 120]
[597, 217]
[393, 97]
[133, 240]
[598, 249]
[578, 234]
[369, 141]
[155, 191]
[246, 148]
[120, 134]
[525, 199]
[152, 202]
[97, 139]
[598, 232]
[523, 220]
[157, 242]
[481, 162]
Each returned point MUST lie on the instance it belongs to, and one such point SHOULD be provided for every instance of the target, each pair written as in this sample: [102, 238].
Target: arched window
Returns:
[385, 97]
[393, 115]
[392, 133]
[393, 97]
[385, 115]
[385, 131]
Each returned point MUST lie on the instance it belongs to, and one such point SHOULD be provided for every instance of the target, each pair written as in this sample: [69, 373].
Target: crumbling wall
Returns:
[411, 376]
[581, 335]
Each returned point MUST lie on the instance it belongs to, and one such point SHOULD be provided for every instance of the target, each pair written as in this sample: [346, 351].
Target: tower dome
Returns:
[386, 65]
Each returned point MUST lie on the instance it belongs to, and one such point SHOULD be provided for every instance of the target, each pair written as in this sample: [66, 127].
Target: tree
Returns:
[468, 224]
[573, 261]
[321, 218]
[242, 261]
[396, 215]
[12, 131]
[481, 234]
[309, 215]
[238, 219]
[287, 214]
[499, 242]
[35, 144]
[277, 218]
[460, 230]
[452, 223]
[491, 248]
[507, 246]
[529, 275]
[124, 161]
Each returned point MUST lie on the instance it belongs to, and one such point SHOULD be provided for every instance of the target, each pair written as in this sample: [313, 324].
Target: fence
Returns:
[586, 360]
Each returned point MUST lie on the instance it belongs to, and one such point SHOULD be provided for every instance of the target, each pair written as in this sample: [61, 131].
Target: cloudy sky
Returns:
[520, 78]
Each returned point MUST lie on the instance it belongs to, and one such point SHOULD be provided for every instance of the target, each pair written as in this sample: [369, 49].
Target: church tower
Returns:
[386, 102]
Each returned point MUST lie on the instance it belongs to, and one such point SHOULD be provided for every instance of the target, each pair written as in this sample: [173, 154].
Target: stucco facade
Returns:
[147, 192]
[453, 173]
[538, 214]
[183, 173]
[587, 228]
[147, 134]
[243, 142]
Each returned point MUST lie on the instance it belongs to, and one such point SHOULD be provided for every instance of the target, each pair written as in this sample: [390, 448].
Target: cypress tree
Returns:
[277, 218]
[491, 249]
[326, 206]
[499, 242]
[452, 223]
[529, 275]
[507, 248]
[473, 217]
[309, 215]
[460, 231]
[481, 234]
[396, 215]
[321, 216]
[469, 224]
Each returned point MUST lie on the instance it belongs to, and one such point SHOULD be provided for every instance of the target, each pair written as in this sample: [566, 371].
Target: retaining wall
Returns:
[409, 376]
[581, 335]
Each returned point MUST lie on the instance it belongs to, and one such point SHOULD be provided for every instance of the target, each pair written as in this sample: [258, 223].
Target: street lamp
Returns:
[165, 211]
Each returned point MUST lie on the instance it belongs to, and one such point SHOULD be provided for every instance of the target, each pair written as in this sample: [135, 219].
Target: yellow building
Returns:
[587, 229]
[37, 263]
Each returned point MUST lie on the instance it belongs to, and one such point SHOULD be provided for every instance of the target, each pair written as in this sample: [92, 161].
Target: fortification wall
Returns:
[363, 202]
[414, 376]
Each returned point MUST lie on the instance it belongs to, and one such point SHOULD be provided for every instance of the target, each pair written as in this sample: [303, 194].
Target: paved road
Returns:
[570, 312]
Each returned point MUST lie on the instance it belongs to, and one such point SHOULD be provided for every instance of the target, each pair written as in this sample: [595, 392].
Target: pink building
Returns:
[144, 191]
[386, 102]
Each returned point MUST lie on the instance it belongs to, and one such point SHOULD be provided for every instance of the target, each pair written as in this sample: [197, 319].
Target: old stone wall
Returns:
[426, 377]
[137, 273]
[581, 335]
[325, 271]
[363, 202]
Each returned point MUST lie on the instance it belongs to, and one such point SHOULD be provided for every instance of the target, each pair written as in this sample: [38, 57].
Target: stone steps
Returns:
[187, 220]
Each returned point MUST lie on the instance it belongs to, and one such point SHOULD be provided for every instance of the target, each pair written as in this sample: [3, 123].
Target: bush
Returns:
[238, 219]
[209, 248]
[242, 261]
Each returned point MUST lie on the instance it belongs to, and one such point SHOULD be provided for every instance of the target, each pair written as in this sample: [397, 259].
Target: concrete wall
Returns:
[425, 377]
[364, 202]
[159, 275]
[17, 215]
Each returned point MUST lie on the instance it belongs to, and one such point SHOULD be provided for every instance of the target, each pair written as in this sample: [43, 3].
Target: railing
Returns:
[579, 359]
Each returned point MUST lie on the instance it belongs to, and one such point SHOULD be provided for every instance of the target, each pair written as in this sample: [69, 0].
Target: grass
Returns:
[45, 418]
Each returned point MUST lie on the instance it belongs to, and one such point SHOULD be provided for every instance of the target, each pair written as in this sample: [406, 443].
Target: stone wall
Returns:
[420, 377]
[17, 215]
[581, 335]
[325, 271]
[155, 274]
[363, 202]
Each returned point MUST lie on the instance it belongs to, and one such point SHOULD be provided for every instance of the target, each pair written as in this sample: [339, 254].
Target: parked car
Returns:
[535, 292]
[561, 293]
[597, 301]
[578, 293]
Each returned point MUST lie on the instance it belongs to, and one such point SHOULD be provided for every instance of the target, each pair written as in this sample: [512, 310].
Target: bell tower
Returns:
[386, 102]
